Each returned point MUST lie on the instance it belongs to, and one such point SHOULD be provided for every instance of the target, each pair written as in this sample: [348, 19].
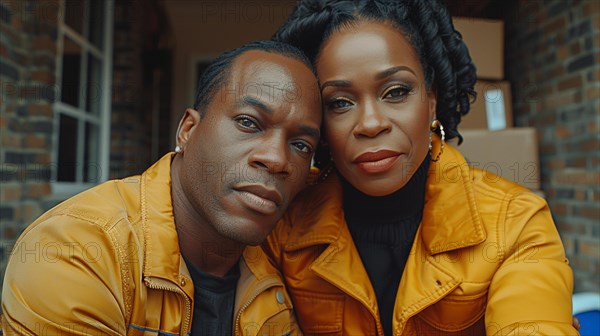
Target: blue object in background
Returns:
[586, 307]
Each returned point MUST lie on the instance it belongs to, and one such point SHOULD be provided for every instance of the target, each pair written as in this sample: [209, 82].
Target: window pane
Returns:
[91, 168]
[67, 149]
[94, 85]
[70, 72]
[75, 14]
[96, 31]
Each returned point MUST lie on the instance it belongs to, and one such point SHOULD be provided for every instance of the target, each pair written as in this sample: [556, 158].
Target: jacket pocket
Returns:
[319, 313]
[456, 312]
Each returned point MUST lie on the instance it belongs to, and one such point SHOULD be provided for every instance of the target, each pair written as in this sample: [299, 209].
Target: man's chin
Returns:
[251, 235]
[255, 239]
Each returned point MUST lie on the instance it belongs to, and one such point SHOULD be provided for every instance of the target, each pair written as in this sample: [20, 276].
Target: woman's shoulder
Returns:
[488, 186]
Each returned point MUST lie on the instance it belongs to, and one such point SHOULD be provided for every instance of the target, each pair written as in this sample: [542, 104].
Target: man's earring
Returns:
[177, 149]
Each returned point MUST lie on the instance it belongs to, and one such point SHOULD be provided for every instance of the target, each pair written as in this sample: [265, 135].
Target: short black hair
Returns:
[217, 72]
[427, 25]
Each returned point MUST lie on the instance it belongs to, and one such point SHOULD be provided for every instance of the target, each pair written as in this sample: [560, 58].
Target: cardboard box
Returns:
[485, 40]
[492, 109]
[511, 153]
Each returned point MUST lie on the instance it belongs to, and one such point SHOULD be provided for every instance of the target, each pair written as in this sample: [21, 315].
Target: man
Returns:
[167, 252]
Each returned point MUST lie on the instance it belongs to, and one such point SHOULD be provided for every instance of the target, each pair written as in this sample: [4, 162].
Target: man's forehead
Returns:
[259, 63]
[269, 75]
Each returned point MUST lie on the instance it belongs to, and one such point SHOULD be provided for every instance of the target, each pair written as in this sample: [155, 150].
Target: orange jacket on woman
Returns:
[487, 259]
[107, 262]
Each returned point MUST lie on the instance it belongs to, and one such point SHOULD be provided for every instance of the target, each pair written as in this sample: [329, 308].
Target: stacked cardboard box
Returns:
[510, 153]
[490, 140]
[485, 39]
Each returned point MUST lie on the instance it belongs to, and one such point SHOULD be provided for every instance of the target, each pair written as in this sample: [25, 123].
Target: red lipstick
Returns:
[376, 162]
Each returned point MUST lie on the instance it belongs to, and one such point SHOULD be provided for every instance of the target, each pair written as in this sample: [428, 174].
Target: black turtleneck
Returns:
[383, 229]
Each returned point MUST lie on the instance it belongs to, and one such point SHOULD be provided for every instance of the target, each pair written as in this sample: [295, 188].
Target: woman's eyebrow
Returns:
[388, 72]
[336, 83]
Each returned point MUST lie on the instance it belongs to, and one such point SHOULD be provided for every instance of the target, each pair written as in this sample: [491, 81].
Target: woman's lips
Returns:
[376, 162]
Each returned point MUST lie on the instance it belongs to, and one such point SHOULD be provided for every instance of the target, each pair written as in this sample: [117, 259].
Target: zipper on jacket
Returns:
[161, 284]
[266, 285]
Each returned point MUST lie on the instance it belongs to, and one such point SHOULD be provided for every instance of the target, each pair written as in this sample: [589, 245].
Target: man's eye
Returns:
[247, 122]
[303, 147]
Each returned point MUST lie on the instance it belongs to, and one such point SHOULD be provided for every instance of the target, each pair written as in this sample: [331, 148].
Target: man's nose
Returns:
[272, 155]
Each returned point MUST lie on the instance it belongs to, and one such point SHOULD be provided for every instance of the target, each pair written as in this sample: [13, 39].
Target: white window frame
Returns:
[102, 120]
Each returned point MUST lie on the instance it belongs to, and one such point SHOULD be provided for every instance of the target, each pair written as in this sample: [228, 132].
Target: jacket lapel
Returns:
[450, 221]
[323, 224]
[340, 265]
[425, 281]
[162, 258]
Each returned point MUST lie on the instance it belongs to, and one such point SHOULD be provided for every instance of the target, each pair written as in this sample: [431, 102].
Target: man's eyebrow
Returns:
[310, 131]
[254, 102]
[336, 83]
[248, 100]
[388, 72]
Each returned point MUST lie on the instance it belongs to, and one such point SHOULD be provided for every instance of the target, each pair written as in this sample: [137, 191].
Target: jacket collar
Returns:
[450, 219]
[320, 209]
[162, 257]
[256, 275]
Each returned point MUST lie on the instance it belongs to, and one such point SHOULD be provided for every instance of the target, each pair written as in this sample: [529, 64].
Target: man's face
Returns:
[249, 155]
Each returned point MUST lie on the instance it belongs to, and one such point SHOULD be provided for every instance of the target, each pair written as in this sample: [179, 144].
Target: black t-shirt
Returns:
[214, 299]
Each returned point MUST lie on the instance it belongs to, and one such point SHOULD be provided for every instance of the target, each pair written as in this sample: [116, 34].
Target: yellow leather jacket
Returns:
[487, 259]
[107, 262]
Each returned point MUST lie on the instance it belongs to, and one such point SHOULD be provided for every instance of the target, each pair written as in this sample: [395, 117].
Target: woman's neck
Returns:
[405, 202]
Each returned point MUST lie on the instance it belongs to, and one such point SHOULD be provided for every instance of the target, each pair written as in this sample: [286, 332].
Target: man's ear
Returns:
[187, 125]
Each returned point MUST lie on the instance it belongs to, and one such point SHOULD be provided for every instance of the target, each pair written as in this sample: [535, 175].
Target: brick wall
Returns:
[27, 65]
[553, 62]
[130, 125]
[28, 52]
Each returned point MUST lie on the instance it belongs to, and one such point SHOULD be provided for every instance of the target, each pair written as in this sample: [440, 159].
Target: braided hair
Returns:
[427, 26]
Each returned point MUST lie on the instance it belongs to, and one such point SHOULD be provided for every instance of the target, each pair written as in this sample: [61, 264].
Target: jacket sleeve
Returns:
[530, 294]
[63, 278]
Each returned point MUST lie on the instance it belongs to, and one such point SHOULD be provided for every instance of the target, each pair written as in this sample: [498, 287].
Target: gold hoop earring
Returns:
[435, 125]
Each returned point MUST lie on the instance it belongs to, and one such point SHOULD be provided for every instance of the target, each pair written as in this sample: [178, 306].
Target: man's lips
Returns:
[375, 156]
[259, 198]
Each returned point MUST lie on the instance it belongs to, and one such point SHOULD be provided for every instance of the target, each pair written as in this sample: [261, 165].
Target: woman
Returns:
[401, 237]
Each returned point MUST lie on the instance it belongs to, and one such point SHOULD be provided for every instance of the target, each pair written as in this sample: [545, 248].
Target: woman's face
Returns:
[377, 110]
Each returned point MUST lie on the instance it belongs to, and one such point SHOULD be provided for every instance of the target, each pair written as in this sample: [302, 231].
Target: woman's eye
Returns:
[303, 147]
[247, 122]
[397, 93]
[339, 104]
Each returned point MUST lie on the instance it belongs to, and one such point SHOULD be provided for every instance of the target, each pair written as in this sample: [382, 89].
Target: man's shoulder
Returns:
[98, 211]
[105, 203]
[91, 252]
